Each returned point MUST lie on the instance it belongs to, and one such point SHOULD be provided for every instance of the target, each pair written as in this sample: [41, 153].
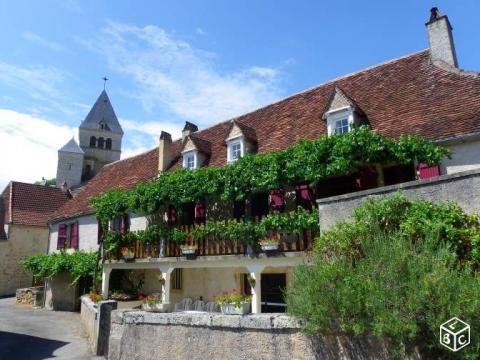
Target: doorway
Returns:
[273, 288]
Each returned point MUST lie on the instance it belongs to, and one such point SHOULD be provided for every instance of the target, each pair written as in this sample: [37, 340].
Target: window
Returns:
[101, 142]
[121, 224]
[341, 126]
[93, 141]
[190, 159]
[67, 236]
[177, 276]
[259, 205]
[108, 144]
[190, 162]
[236, 151]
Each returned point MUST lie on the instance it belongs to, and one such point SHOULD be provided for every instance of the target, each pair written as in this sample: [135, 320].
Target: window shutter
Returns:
[74, 235]
[277, 201]
[304, 197]
[100, 232]
[200, 213]
[172, 215]
[62, 236]
[124, 223]
[425, 171]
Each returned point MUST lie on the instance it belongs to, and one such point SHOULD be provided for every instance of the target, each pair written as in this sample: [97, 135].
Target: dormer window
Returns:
[341, 113]
[235, 150]
[190, 159]
[341, 126]
[340, 121]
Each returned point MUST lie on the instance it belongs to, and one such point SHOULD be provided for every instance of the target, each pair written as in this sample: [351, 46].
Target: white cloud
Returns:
[200, 31]
[29, 145]
[172, 75]
[37, 39]
[152, 127]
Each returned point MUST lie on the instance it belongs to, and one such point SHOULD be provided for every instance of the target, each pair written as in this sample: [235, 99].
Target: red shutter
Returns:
[62, 236]
[100, 232]
[124, 223]
[304, 196]
[425, 171]
[74, 235]
[277, 202]
[172, 215]
[200, 213]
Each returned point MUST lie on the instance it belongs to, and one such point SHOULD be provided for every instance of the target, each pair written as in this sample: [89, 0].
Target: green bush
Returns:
[79, 264]
[396, 271]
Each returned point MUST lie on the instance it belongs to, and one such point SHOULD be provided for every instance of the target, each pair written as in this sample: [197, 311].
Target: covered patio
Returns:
[202, 278]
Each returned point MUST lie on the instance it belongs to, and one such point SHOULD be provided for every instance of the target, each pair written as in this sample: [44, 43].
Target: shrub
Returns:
[385, 274]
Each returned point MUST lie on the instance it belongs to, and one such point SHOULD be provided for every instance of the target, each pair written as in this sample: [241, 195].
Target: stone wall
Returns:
[32, 296]
[146, 335]
[95, 320]
[462, 188]
[61, 294]
[22, 241]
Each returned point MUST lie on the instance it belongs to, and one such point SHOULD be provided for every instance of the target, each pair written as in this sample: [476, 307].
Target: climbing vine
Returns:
[307, 161]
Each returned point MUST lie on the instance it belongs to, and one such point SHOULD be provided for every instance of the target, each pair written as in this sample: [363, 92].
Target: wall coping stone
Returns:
[200, 319]
[398, 187]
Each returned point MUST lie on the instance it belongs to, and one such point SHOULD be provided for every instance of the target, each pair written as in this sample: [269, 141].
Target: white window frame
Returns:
[336, 115]
[230, 144]
[188, 154]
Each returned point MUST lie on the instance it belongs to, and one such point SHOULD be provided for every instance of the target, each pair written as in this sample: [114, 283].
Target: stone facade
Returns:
[145, 335]
[22, 241]
[32, 296]
[69, 168]
[61, 294]
[462, 188]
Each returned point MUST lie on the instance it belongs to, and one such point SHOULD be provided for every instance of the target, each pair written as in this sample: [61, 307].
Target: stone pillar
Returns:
[166, 272]
[256, 274]
[105, 281]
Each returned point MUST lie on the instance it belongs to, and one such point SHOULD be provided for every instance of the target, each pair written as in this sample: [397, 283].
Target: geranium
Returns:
[233, 297]
[95, 297]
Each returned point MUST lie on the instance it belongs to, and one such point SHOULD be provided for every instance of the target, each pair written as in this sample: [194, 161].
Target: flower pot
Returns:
[188, 251]
[269, 247]
[156, 307]
[232, 309]
[128, 257]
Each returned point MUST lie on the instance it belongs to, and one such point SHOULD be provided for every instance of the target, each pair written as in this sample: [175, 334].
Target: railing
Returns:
[211, 246]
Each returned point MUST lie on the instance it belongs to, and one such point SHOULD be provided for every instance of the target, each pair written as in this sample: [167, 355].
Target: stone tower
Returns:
[100, 137]
[70, 164]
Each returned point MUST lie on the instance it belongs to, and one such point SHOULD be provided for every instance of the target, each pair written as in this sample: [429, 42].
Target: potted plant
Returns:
[270, 243]
[127, 253]
[188, 249]
[152, 302]
[95, 297]
[233, 303]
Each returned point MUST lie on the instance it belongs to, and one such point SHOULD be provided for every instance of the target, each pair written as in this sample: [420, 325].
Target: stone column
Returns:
[105, 281]
[166, 272]
[256, 274]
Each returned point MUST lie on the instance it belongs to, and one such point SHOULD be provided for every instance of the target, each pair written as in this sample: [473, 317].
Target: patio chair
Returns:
[198, 305]
[211, 307]
[183, 305]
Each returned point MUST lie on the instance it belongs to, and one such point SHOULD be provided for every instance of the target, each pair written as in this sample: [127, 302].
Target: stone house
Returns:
[422, 93]
[24, 212]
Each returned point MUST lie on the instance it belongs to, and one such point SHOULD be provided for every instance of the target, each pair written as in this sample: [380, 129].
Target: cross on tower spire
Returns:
[105, 79]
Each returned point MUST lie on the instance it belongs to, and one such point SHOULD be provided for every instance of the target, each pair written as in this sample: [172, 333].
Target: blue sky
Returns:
[201, 61]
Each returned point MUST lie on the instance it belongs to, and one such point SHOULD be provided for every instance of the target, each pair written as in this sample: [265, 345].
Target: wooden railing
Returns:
[211, 246]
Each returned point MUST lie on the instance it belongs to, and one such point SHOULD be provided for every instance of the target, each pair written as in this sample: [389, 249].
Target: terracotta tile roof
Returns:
[201, 144]
[123, 174]
[28, 204]
[404, 96]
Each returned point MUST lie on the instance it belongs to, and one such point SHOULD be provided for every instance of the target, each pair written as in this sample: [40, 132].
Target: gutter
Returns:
[458, 139]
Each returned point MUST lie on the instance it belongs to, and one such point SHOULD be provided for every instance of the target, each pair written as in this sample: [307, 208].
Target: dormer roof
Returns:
[102, 113]
[340, 100]
[193, 142]
[72, 147]
[236, 128]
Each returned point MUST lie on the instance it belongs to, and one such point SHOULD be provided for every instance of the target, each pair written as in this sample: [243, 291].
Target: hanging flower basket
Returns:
[127, 253]
[270, 243]
[188, 249]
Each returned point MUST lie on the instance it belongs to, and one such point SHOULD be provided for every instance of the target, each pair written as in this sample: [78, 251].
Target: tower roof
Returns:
[71, 147]
[102, 112]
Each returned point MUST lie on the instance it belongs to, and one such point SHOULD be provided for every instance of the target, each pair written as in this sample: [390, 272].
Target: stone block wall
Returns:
[32, 296]
[462, 188]
[146, 335]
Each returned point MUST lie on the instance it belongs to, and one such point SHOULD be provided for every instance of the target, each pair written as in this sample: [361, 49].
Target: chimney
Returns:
[165, 151]
[442, 49]
[188, 129]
